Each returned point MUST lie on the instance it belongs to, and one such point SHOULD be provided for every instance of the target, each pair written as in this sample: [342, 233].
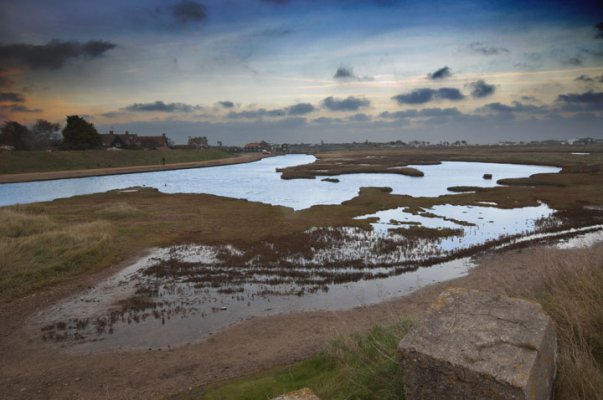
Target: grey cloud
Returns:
[294, 110]
[482, 48]
[53, 55]
[589, 79]
[516, 107]
[262, 112]
[599, 28]
[574, 61]
[424, 113]
[113, 114]
[326, 121]
[350, 103]
[226, 104]
[343, 73]
[425, 95]
[187, 11]
[160, 106]
[439, 74]
[277, 2]
[360, 117]
[481, 89]
[581, 101]
[4, 81]
[300, 109]
[12, 97]
[19, 108]
[347, 74]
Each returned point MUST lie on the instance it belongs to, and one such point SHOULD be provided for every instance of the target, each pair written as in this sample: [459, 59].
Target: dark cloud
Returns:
[273, 33]
[4, 81]
[300, 109]
[19, 108]
[53, 55]
[425, 95]
[262, 112]
[481, 89]
[577, 101]
[344, 73]
[12, 97]
[575, 61]
[226, 104]
[113, 114]
[439, 74]
[160, 106]
[515, 107]
[348, 104]
[599, 29]
[294, 110]
[347, 74]
[505, 111]
[360, 117]
[326, 121]
[589, 79]
[424, 113]
[188, 11]
[482, 48]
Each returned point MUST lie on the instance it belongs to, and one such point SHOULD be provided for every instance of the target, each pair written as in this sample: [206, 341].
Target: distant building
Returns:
[112, 140]
[257, 147]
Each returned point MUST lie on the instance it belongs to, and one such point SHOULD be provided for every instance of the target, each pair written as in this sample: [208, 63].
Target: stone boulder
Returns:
[301, 394]
[476, 346]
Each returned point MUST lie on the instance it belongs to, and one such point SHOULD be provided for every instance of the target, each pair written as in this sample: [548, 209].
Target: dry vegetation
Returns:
[47, 243]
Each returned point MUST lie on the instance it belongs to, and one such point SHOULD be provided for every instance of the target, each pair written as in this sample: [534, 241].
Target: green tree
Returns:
[45, 133]
[16, 135]
[80, 134]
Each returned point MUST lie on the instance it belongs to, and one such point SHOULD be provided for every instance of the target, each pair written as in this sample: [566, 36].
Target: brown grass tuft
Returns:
[46, 251]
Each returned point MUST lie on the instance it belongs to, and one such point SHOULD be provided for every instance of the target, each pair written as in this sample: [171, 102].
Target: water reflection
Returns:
[259, 181]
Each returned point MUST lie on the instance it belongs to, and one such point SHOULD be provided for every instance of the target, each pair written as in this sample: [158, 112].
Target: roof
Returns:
[133, 140]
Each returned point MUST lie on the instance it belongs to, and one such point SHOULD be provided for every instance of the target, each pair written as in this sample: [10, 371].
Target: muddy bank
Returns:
[32, 370]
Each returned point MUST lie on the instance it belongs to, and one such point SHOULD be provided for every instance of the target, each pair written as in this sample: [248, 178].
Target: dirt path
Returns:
[32, 370]
[81, 173]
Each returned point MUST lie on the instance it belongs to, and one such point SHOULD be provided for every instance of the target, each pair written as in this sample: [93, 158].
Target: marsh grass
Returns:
[45, 251]
[569, 286]
[358, 366]
[118, 210]
[572, 294]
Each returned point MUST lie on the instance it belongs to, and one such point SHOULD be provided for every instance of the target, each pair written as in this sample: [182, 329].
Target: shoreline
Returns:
[86, 173]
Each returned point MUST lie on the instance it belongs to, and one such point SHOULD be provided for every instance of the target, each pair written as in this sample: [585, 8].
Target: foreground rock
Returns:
[301, 394]
[476, 345]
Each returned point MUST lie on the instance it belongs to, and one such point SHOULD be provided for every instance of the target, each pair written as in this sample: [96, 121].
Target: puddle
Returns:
[179, 295]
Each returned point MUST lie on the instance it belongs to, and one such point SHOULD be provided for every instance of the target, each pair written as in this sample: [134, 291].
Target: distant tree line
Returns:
[78, 134]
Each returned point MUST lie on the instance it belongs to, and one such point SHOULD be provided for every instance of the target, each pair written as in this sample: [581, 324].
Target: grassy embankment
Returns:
[365, 366]
[15, 162]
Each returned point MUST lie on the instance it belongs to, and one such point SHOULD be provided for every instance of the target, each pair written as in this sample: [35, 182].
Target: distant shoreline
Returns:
[84, 173]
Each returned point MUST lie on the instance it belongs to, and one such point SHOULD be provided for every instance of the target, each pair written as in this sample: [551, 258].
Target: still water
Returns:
[183, 312]
[258, 181]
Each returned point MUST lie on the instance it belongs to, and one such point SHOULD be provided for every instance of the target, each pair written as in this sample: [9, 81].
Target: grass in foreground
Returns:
[361, 366]
[15, 162]
[572, 295]
[46, 251]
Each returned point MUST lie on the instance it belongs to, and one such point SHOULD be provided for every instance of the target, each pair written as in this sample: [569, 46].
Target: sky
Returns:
[306, 71]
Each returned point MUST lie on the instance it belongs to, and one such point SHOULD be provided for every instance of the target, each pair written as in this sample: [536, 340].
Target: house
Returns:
[112, 140]
[257, 147]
